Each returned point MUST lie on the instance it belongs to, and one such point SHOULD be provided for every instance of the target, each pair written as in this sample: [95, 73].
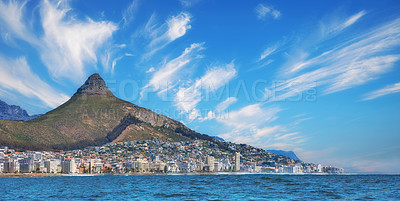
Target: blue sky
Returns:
[320, 78]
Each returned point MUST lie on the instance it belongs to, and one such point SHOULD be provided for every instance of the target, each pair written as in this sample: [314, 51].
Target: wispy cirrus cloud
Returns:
[187, 98]
[188, 3]
[255, 124]
[12, 16]
[225, 104]
[390, 89]
[20, 78]
[251, 116]
[349, 64]
[329, 27]
[168, 74]
[267, 55]
[219, 111]
[287, 136]
[112, 55]
[351, 20]
[69, 44]
[262, 60]
[267, 52]
[251, 124]
[66, 45]
[174, 28]
[264, 11]
[335, 25]
[129, 13]
[274, 48]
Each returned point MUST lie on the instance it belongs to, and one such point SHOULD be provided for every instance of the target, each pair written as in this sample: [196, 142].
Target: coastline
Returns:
[5, 175]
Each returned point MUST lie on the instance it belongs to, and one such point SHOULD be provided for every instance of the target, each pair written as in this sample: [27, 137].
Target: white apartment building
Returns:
[53, 166]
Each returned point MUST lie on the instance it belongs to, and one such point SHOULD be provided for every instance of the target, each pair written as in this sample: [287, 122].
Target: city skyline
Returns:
[318, 78]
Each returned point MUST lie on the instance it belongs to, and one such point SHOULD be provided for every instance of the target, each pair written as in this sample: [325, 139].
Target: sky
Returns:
[320, 78]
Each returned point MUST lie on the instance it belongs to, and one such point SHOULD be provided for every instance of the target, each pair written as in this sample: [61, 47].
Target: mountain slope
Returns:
[93, 116]
[14, 112]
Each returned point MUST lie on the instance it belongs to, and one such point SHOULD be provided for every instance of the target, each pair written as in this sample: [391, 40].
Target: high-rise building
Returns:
[10, 165]
[26, 165]
[69, 166]
[210, 164]
[53, 166]
[237, 161]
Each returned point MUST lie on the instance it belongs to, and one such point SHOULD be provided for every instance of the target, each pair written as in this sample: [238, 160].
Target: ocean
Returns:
[203, 187]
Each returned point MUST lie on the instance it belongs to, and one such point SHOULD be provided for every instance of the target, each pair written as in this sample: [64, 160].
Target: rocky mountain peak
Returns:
[94, 85]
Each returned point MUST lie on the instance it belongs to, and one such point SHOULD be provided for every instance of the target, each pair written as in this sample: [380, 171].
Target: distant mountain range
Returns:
[289, 154]
[93, 116]
[14, 112]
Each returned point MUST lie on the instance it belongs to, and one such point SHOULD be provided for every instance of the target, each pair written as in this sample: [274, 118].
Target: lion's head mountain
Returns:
[93, 116]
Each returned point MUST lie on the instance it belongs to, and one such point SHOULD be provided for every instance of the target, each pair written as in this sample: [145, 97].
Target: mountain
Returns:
[14, 112]
[289, 154]
[93, 116]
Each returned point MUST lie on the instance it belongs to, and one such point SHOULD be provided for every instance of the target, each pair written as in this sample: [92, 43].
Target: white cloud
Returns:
[11, 15]
[286, 136]
[250, 124]
[266, 131]
[390, 89]
[361, 72]
[351, 63]
[250, 117]
[187, 98]
[351, 20]
[194, 114]
[225, 104]
[69, 44]
[217, 77]
[178, 25]
[264, 11]
[151, 69]
[332, 26]
[253, 124]
[298, 121]
[168, 74]
[339, 25]
[265, 56]
[267, 52]
[188, 3]
[210, 115]
[16, 76]
[261, 64]
[150, 29]
[174, 28]
[114, 62]
[109, 58]
[329, 28]
[129, 13]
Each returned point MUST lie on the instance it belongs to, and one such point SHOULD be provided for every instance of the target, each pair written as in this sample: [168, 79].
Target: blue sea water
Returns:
[203, 187]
